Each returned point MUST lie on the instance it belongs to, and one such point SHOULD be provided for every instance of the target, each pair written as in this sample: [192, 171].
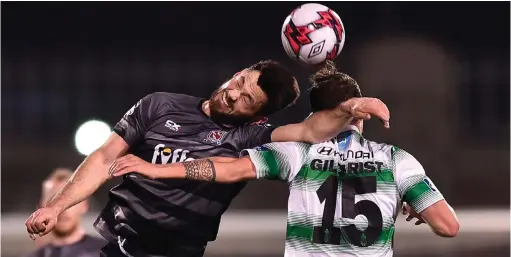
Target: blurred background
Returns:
[443, 69]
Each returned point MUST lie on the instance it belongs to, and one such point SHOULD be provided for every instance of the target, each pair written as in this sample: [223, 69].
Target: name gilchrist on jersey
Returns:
[345, 194]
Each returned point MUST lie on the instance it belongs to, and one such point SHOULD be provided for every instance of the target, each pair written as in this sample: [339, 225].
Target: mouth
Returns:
[224, 99]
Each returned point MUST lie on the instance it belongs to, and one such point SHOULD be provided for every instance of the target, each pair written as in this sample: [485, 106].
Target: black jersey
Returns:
[88, 246]
[165, 128]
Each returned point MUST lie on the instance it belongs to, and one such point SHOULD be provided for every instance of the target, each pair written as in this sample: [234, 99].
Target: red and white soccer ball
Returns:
[312, 34]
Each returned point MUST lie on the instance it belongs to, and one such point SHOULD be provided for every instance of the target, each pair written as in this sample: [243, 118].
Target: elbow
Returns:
[450, 229]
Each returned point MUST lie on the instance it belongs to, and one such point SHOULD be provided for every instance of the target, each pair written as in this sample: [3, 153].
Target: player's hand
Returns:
[407, 210]
[364, 107]
[131, 163]
[41, 222]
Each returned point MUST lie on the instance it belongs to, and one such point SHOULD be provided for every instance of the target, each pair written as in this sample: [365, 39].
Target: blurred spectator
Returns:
[68, 239]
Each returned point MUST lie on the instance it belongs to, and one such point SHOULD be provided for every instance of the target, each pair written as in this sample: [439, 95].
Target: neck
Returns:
[357, 124]
[72, 238]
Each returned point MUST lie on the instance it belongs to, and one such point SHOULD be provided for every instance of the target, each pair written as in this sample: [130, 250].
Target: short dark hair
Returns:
[331, 87]
[279, 85]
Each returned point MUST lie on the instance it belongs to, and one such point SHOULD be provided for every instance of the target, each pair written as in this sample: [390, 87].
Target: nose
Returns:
[234, 94]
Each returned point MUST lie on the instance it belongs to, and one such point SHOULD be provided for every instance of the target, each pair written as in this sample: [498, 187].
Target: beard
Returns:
[216, 107]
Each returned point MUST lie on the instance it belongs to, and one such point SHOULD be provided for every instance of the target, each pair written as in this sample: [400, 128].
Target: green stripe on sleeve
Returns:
[415, 192]
[273, 167]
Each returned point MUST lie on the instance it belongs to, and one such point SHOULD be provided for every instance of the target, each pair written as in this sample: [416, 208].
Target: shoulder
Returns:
[390, 154]
[160, 101]
[283, 146]
[166, 97]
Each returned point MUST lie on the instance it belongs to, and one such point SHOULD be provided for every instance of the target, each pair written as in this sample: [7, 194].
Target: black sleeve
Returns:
[138, 119]
[255, 135]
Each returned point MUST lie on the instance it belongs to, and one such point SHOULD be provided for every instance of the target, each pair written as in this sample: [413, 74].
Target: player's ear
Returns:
[239, 72]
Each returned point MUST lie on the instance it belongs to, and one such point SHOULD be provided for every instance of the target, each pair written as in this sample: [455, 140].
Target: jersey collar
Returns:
[350, 128]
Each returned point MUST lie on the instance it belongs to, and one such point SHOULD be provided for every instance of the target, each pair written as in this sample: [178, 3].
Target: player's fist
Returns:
[131, 163]
[41, 222]
[412, 214]
[364, 107]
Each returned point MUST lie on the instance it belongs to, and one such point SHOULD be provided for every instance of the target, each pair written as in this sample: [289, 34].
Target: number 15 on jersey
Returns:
[327, 233]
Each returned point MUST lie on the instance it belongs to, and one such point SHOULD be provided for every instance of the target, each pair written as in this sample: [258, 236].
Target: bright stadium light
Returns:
[91, 135]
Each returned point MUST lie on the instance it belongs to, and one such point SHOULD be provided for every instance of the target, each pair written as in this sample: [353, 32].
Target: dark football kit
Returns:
[171, 217]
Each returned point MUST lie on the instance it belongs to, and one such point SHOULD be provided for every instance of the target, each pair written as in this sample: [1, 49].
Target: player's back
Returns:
[344, 199]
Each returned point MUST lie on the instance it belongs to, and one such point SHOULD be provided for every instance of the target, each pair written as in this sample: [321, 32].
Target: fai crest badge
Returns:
[215, 137]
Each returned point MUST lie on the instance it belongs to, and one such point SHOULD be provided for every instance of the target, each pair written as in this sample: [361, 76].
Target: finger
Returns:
[119, 161]
[125, 170]
[28, 223]
[361, 115]
[33, 225]
[31, 236]
[112, 168]
[40, 223]
[409, 218]
[48, 228]
[119, 164]
[418, 222]
[386, 123]
[125, 165]
[375, 107]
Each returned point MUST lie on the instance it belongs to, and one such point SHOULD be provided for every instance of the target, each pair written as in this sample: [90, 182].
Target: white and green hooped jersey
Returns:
[345, 194]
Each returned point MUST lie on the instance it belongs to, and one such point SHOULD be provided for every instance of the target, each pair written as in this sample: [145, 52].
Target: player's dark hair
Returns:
[278, 83]
[331, 87]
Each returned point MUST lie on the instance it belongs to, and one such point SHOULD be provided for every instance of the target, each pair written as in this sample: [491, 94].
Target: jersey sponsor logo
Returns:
[172, 125]
[325, 150]
[430, 184]
[350, 154]
[215, 137]
[164, 155]
[344, 144]
[346, 168]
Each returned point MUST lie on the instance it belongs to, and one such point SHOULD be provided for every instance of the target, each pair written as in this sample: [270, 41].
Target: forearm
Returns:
[324, 125]
[215, 169]
[89, 176]
[442, 219]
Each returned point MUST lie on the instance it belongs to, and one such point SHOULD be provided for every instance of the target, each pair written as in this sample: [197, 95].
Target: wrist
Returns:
[57, 208]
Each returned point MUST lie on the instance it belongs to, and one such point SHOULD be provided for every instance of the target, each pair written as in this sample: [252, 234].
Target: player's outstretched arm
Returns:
[213, 169]
[324, 125]
[421, 195]
[88, 177]
[440, 217]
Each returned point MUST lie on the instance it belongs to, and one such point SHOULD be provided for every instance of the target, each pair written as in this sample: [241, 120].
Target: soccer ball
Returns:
[312, 34]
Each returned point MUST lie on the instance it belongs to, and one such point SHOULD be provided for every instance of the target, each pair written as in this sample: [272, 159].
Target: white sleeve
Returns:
[278, 161]
[415, 188]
